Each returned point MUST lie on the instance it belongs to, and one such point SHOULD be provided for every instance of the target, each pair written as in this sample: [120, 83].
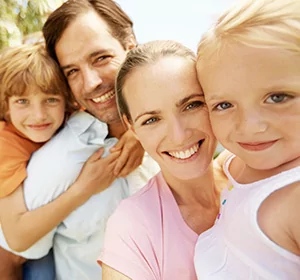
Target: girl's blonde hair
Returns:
[146, 54]
[255, 23]
[30, 65]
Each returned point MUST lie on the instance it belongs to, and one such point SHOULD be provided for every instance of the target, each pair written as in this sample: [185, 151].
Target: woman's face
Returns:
[170, 118]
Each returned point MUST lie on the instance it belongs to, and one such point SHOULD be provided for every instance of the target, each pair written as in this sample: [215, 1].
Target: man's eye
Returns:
[223, 106]
[150, 121]
[278, 98]
[70, 72]
[194, 104]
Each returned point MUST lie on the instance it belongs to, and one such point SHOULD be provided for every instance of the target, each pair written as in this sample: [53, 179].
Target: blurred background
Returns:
[185, 21]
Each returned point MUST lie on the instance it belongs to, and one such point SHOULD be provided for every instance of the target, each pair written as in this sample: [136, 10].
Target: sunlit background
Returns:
[184, 21]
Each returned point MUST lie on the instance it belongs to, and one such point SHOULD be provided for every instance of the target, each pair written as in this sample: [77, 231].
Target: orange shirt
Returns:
[15, 152]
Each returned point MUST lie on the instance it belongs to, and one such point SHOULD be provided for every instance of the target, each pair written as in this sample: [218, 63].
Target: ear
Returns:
[130, 42]
[128, 124]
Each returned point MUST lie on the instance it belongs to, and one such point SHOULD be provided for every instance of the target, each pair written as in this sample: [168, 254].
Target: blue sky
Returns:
[181, 20]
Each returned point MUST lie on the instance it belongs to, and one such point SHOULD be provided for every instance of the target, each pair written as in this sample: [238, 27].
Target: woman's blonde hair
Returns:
[30, 65]
[146, 54]
[255, 23]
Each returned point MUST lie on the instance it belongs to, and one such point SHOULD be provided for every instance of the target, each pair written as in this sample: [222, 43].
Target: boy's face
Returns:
[253, 96]
[35, 114]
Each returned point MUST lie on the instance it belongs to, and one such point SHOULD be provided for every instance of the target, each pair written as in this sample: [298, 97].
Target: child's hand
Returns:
[97, 174]
[131, 154]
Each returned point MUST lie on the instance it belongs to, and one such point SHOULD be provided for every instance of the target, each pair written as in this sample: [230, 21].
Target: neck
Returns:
[201, 190]
[244, 174]
[116, 129]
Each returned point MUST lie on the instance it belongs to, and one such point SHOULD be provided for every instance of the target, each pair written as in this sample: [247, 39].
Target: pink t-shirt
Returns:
[147, 238]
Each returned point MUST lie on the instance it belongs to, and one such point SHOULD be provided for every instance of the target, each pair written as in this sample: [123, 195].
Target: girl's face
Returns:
[170, 118]
[36, 114]
[253, 97]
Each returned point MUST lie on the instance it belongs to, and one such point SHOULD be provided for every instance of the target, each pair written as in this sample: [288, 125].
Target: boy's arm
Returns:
[23, 228]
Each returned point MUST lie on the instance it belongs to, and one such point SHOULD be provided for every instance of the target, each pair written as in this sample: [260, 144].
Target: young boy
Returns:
[34, 101]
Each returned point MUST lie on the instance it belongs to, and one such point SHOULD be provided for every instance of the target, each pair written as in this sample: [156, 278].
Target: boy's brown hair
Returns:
[30, 65]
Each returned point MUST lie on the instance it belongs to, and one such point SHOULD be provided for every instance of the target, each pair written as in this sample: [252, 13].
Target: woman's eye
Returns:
[277, 98]
[194, 104]
[150, 121]
[223, 106]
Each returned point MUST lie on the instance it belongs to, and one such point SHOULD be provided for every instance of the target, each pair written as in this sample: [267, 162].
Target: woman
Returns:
[152, 234]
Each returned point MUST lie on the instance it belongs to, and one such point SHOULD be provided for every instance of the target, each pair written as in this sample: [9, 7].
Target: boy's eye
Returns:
[223, 106]
[22, 101]
[52, 100]
[277, 98]
[150, 121]
[194, 104]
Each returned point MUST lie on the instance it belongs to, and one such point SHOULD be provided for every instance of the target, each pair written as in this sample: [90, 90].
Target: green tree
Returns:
[22, 17]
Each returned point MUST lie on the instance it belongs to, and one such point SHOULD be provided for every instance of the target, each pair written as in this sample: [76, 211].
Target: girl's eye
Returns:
[150, 121]
[223, 106]
[277, 98]
[22, 101]
[194, 104]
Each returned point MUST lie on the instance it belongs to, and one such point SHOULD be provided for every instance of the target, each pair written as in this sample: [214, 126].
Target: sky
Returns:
[180, 20]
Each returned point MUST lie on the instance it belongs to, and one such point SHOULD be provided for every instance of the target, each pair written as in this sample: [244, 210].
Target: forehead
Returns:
[238, 66]
[88, 33]
[167, 81]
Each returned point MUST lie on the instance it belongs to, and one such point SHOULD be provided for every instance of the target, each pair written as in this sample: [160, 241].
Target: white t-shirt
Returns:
[78, 240]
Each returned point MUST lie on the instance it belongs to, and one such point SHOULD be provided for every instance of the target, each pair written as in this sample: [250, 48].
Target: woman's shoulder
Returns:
[145, 200]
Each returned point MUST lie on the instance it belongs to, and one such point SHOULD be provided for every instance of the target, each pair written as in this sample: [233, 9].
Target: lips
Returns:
[257, 146]
[39, 126]
[185, 153]
[105, 97]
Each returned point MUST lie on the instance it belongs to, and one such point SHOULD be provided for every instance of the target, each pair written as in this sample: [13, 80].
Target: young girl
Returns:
[249, 68]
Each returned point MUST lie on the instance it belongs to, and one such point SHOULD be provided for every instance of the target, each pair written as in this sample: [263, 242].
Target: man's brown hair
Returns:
[120, 25]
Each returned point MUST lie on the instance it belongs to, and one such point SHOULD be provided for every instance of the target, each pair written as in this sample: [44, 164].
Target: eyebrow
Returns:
[178, 104]
[91, 55]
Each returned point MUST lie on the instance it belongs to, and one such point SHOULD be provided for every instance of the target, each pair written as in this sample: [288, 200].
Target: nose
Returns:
[91, 80]
[178, 132]
[40, 112]
[251, 121]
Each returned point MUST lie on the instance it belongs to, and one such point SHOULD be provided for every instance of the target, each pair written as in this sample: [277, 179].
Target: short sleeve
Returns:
[12, 166]
[128, 247]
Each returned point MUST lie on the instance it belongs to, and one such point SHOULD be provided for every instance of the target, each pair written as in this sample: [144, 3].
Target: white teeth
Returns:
[105, 97]
[185, 154]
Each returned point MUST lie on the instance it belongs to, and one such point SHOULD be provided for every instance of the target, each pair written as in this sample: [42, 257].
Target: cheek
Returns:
[150, 140]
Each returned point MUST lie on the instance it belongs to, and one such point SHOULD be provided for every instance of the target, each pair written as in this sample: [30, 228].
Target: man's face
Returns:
[90, 57]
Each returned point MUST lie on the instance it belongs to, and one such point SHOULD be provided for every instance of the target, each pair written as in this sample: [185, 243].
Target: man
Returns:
[89, 40]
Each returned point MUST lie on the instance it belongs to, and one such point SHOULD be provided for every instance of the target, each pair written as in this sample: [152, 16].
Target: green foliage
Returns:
[21, 17]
